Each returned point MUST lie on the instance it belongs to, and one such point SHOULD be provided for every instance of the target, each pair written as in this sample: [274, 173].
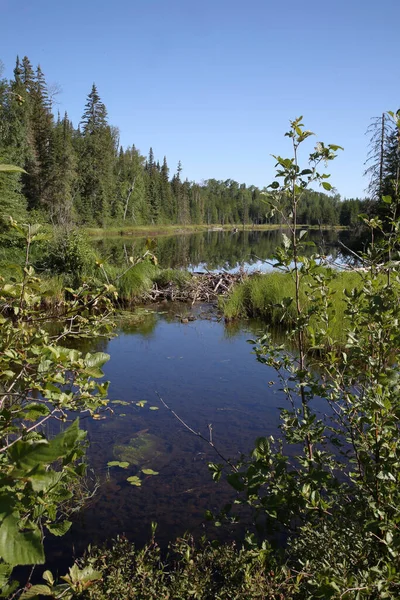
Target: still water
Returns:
[205, 371]
[213, 250]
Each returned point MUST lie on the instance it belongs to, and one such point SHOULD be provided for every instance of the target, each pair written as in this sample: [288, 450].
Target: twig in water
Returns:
[198, 434]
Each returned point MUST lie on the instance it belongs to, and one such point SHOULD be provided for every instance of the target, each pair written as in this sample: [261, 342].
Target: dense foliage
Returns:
[329, 486]
[207, 571]
[82, 173]
[44, 385]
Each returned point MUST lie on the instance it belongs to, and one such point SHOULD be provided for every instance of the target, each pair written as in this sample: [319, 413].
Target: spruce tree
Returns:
[152, 180]
[96, 161]
[12, 201]
[63, 183]
[38, 184]
[166, 198]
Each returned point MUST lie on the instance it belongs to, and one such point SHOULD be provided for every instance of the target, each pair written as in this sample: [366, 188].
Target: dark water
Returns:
[207, 373]
[213, 250]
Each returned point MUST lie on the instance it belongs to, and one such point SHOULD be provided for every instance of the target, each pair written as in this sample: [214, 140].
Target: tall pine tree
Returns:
[64, 175]
[96, 161]
[12, 201]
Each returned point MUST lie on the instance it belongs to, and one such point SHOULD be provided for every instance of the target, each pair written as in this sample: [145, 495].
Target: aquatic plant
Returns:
[144, 449]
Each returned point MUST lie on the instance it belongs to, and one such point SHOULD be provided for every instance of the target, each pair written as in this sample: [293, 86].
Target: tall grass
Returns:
[261, 296]
[132, 283]
[175, 276]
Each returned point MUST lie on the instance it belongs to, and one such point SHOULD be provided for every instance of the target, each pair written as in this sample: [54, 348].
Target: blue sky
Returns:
[215, 83]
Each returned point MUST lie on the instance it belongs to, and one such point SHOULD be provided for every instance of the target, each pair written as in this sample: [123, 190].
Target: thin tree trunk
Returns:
[381, 157]
[128, 197]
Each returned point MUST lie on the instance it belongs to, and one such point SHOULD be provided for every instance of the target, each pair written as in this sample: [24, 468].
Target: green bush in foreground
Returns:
[330, 484]
[44, 386]
[206, 572]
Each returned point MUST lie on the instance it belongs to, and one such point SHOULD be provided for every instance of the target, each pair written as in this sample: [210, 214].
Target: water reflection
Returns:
[213, 250]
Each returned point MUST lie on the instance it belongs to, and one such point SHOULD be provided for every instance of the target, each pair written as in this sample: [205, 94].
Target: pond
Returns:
[206, 372]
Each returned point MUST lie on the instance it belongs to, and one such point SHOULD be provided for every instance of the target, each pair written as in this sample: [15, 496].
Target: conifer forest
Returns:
[79, 172]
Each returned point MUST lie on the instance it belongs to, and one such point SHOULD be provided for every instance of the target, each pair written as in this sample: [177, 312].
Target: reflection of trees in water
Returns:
[141, 324]
[213, 249]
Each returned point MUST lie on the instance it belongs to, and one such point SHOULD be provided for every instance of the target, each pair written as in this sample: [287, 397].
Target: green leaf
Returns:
[387, 199]
[94, 372]
[35, 591]
[5, 574]
[117, 463]
[327, 186]
[154, 407]
[80, 579]
[59, 529]
[8, 374]
[11, 169]
[286, 241]
[20, 547]
[36, 410]
[28, 454]
[149, 472]
[43, 480]
[134, 480]
[96, 360]
[141, 403]
[48, 576]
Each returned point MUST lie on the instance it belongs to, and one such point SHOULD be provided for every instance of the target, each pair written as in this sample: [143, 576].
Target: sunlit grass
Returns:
[261, 296]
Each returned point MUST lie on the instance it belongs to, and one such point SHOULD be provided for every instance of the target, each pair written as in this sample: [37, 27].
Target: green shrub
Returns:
[207, 572]
[330, 485]
[69, 254]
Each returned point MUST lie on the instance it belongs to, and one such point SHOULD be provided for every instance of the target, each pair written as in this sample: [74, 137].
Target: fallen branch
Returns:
[208, 441]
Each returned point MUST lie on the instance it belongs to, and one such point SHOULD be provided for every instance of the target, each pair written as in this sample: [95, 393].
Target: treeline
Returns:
[82, 174]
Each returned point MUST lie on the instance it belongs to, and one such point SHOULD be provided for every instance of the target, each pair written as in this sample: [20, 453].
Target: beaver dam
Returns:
[198, 287]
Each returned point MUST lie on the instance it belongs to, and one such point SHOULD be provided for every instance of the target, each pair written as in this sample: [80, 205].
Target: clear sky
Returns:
[214, 83]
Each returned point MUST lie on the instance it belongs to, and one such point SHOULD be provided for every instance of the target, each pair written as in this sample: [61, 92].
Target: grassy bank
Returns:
[132, 286]
[261, 296]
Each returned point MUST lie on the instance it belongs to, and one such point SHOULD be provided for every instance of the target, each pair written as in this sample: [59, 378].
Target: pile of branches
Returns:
[201, 287]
